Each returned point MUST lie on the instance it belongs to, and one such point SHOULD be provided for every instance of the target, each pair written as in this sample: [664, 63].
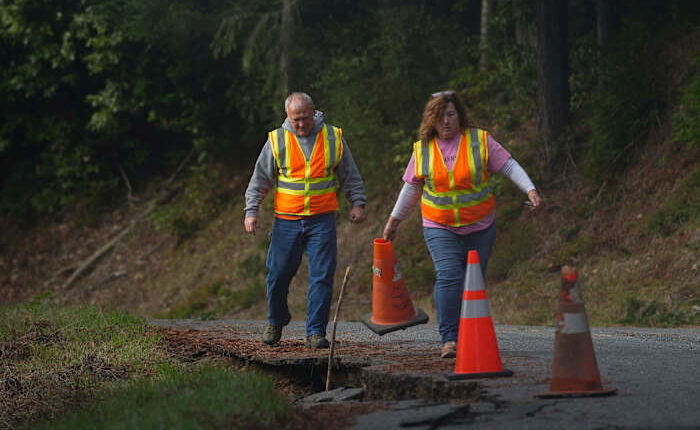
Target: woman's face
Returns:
[448, 126]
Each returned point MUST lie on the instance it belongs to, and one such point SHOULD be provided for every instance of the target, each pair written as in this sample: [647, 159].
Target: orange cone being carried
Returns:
[392, 308]
[477, 348]
[574, 367]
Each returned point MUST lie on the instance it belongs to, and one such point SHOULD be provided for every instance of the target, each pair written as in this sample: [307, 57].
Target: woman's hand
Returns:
[535, 200]
[390, 229]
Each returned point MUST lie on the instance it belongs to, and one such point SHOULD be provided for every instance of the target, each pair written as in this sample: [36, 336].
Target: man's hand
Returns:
[357, 215]
[390, 229]
[251, 224]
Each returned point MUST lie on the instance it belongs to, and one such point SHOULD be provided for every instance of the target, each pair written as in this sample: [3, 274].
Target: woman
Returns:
[449, 172]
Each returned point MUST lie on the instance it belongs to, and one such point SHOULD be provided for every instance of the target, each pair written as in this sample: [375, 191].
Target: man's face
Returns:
[302, 118]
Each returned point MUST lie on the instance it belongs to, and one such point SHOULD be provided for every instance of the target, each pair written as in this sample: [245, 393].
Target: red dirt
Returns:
[400, 356]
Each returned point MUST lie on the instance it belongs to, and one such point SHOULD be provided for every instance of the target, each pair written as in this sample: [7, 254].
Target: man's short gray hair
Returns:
[298, 99]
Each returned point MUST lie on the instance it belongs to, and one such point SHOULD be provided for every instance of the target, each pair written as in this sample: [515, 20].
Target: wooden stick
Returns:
[335, 323]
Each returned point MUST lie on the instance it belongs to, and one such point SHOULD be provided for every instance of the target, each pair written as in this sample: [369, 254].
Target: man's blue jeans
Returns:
[290, 238]
[449, 252]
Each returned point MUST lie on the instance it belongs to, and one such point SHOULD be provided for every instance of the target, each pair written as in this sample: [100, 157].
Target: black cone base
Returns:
[456, 376]
[598, 393]
[420, 318]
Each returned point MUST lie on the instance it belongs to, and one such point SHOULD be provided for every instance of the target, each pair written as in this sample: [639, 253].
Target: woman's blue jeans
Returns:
[290, 238]
[449, 253]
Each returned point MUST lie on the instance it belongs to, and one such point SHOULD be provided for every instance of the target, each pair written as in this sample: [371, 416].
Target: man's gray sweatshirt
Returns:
[264, 176]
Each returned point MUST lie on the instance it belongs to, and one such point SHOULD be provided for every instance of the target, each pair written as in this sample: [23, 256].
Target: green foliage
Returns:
[95, 87]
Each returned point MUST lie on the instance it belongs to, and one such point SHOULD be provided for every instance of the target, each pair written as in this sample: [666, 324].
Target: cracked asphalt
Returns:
[656, 373]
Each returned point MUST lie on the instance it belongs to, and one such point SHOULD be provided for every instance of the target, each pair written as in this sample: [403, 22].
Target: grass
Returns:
[81, 367]
[211, 398]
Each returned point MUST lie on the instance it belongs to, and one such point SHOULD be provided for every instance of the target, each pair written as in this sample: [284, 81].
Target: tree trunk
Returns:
[487, 8]
[606, 28]
[525, 25]
[285, 42]
[552, 76]
[606, 17]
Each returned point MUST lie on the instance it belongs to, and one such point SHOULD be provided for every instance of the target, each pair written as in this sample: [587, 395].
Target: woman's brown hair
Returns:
[435, 109]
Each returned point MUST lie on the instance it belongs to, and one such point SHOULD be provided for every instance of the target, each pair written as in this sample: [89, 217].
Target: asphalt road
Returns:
[656, 373]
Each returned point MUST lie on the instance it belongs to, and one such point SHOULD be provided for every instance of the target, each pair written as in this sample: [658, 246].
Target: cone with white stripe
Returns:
[574, 367]
[477, 347]
[392, 308]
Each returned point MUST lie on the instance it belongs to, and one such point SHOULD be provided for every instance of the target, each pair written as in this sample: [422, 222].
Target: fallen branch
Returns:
[95, 256]
[66, 269]
[100, 252]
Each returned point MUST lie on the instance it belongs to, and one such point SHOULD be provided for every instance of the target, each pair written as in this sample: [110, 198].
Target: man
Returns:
[301, 161]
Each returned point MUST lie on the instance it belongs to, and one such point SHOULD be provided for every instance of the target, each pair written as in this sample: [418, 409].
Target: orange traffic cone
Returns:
[574, 367]
[477, 348]
[392, 308]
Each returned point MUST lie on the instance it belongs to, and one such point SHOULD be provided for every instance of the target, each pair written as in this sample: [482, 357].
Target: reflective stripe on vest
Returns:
[306, 187]
[463, 195]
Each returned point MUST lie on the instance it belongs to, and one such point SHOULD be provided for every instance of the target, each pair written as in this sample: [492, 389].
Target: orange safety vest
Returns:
[306, 187]
[463, 195]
